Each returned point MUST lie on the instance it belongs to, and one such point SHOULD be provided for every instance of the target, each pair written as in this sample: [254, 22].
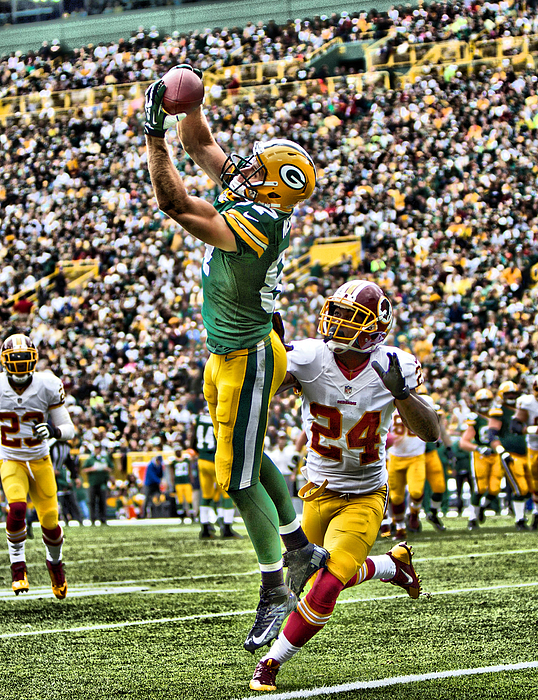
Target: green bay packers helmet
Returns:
[279, 174]
[483, 399]
[365, 323]
[19, 357]
[508, 393]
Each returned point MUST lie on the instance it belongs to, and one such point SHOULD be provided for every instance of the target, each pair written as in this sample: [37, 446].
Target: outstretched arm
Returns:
[195, 215]
[198, 141]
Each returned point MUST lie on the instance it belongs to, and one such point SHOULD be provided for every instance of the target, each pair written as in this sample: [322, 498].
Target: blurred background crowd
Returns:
[438, 181]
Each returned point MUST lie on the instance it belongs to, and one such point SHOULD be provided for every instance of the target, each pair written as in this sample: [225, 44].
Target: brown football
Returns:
[184, 91]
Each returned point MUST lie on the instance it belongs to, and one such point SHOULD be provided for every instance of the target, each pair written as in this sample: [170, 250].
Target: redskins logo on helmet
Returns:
[279, 174]
[19, 357]
[356, 317]
[508, 393]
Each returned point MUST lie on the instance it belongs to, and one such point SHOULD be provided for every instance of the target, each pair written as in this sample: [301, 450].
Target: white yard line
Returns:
[396, 680]
[187, 618]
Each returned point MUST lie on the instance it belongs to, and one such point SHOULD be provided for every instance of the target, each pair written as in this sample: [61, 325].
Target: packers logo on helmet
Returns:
[19, 357]
[279, 174]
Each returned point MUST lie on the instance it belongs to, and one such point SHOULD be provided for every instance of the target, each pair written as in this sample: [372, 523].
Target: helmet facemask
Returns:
[19, 363]
[359, 332]
[243, 175]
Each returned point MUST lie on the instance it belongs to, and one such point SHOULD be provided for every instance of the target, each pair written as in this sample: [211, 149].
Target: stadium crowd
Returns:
[438, 180]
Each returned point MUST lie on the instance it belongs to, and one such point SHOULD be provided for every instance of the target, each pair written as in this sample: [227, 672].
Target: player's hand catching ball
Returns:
[393, 378]
[157, 121]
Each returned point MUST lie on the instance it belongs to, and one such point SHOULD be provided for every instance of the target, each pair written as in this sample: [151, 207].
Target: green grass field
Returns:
[152, 612]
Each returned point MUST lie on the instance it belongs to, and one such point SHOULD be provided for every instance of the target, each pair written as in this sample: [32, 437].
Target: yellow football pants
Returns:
[208, 481]
[238, 388]
[35, 477]
[532, 458]
[406, 471]
[486, 473]
[435, 474]
[347, 527]
[518, 475]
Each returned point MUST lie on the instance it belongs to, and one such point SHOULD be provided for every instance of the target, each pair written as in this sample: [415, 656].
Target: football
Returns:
[184, 91]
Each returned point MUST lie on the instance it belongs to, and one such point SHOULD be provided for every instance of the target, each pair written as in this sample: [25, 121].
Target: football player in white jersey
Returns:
[525, 421]
[351, 384]
[32, 410]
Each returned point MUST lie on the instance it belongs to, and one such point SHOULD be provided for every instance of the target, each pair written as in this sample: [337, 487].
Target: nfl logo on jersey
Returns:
[348, 389]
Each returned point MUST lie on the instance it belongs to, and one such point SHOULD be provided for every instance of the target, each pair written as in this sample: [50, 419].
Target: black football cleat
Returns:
[302, 564]
[274, 607]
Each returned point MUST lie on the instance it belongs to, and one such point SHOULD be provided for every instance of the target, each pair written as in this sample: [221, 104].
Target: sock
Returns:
[519, 509]
[293, 535]
[476, 512]
[16, 531]
[228, 512]
[383, 568]
[281, 650]
[204, 514]
[272, 575]
[53, 541]
[435, 502]
[260, 516]
[485, 501]
[398, 513]
[314, 610]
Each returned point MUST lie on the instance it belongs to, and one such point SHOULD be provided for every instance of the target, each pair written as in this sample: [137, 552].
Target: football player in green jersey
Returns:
[486, 468]
[246, 233]
[512, 449]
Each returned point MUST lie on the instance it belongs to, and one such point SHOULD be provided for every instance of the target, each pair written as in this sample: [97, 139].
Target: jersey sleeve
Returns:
[471, 419]
[55, 392]
[304, 361]
[524, 402]
[252, 226]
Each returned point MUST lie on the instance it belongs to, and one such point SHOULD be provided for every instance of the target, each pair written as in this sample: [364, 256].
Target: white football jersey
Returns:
[410, 445]
[19, 414]
[528, 403]
[346, 420]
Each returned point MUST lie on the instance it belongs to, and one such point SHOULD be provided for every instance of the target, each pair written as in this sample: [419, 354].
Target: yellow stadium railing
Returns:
[77, 272]
[325, 252]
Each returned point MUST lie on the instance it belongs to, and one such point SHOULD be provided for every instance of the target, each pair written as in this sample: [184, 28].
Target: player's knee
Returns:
[343, 565]
[49, 519]
[17, 510]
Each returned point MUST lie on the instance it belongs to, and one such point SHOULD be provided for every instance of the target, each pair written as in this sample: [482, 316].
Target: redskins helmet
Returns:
[279, 174]
[19, 357]
[508, 393]
[356, 317]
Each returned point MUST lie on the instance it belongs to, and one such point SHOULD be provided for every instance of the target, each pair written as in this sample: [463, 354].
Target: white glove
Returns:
[44, 432]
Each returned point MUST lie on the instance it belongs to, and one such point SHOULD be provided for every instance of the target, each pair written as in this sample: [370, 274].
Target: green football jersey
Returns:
[512, 442]
[240, 288]
[204, 438]
[480, 425]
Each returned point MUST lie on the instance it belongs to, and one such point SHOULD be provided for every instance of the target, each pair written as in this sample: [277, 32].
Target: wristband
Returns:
[500, 449]
[532, 429]
[405, 393]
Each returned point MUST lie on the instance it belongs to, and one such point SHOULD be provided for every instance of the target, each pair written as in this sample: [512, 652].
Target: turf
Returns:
[153, 613]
